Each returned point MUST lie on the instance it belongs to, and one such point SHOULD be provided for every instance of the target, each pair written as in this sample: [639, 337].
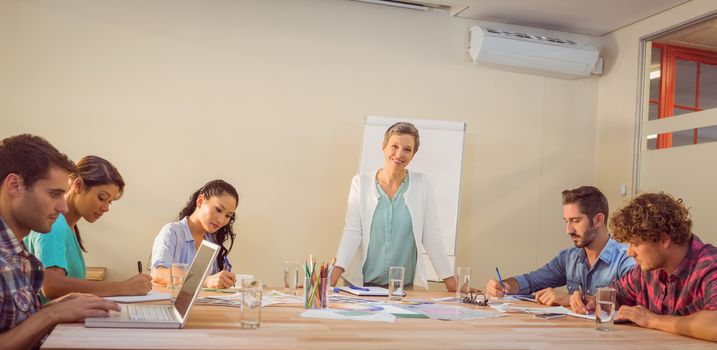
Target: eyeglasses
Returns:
[479, 299]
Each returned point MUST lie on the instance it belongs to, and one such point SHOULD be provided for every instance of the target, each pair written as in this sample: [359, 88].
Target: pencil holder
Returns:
[316, 292]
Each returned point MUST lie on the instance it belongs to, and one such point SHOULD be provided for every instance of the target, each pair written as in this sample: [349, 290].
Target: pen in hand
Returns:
[139, 267]
[500, 280]
[227, 265]
[582, 297]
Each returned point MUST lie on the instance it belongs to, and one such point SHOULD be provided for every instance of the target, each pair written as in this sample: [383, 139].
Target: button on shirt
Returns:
[392, 242]
[690, 288]
[570, 268]
[21, 277]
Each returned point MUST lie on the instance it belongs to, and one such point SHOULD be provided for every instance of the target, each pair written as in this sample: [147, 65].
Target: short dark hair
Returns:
[649, 215]
[590, 201]
[31, 157]
[403, 128]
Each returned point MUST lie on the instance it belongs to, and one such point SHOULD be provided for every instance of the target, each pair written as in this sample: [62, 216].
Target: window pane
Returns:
[683, 138]
[685, 83]
[679, 111]
[655, 73]
[708, 86]
[707, 134]
[653, 112]
[687, 137]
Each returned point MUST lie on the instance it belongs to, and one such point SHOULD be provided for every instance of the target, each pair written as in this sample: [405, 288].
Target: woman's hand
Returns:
[220, 280]
[139, 284]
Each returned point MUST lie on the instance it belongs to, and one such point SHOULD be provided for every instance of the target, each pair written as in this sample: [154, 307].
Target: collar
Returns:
[10, 244]
[610, 252]
[688, 263]
[184, 224]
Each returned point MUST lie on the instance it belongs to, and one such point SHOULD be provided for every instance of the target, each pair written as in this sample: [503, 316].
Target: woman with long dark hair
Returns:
[209, 214]
[93, 188]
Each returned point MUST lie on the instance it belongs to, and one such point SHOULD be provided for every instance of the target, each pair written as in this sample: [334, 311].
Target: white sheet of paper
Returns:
[151, 296]
[331, 314]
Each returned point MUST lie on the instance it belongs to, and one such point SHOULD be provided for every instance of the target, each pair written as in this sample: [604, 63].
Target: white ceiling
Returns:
[593, 17]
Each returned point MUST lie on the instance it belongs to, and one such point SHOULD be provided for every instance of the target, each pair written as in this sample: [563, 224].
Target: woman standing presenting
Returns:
[391, 217]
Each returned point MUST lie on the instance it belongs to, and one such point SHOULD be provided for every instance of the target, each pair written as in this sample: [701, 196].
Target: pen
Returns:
[500, 279]
[139, 266]
[582, 296]
[358, 288]
[227, 265]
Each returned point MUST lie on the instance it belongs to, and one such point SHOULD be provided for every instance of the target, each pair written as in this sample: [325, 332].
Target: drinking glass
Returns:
[395, 283]
[463, 277]
[605, 309]
[177, 274]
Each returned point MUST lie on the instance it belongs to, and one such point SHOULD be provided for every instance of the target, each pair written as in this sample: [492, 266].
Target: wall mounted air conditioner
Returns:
[536, 53]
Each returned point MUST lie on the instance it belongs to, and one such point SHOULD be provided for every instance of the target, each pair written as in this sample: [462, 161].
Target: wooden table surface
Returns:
[216, 327]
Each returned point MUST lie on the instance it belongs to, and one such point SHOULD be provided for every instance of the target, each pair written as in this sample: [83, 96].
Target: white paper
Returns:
[151, 296]
[330, 314]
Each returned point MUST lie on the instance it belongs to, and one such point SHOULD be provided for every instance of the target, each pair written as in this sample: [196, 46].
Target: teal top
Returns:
[58, 248]
[391, 242]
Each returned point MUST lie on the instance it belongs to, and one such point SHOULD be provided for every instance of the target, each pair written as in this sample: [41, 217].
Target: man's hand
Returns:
[637, 314]
[550, 296]
[494, 289]
[582, 304]
[76, 307]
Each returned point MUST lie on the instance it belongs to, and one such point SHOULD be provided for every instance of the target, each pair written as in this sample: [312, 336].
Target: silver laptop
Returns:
[164, 316]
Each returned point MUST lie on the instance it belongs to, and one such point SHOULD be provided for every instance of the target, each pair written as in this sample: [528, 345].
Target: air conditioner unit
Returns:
[559, 57]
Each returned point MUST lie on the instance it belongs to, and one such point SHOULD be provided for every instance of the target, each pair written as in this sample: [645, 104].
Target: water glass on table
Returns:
[293, 283]
[251, 303]
[463, 278]
[177, 274]
[395, 283]
[605, 309]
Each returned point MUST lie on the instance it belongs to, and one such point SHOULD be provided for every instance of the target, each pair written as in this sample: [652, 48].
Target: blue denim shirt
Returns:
[570, 268]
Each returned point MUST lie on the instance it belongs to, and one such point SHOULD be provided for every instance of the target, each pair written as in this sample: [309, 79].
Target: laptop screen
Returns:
[195, 277]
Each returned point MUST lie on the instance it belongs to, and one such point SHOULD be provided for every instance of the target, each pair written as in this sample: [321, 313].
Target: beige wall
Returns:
[685, 172]
[271, 96]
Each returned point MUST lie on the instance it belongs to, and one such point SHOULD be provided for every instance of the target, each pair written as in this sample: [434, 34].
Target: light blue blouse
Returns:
[175, 244]
[392, 242]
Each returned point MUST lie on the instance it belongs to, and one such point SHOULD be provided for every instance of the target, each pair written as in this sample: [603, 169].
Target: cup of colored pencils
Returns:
[316, 284]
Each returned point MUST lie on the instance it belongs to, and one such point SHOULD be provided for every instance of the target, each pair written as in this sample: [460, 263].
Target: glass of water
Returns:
[463, 277]
[177, 274]
[605, 309]
[251, 308]
[291, 278]
[395, 283]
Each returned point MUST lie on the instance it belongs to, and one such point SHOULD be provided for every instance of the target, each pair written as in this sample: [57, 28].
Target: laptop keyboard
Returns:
[149, 313]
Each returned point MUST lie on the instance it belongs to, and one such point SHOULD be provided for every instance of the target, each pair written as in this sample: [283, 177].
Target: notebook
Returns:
[164, 316]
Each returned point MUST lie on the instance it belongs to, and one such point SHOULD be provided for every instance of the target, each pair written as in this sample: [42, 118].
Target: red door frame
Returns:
[668, 63]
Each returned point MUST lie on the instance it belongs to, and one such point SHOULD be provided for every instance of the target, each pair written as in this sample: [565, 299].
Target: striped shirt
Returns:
[21, 275]
[690, 288]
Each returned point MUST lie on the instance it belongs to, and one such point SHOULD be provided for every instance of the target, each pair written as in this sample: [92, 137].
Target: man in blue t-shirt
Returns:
[594, 262]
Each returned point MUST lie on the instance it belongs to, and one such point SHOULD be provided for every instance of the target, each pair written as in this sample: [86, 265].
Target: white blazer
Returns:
[363, 199]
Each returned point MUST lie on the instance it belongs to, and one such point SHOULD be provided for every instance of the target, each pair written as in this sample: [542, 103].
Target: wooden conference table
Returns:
[217, 327]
